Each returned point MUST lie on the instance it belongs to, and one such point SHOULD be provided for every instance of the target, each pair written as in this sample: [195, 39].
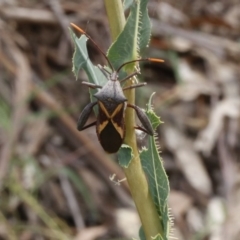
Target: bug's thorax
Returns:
[111, 95]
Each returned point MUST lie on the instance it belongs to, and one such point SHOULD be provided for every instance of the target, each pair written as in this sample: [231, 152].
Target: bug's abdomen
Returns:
[111, 127]
[110, 139]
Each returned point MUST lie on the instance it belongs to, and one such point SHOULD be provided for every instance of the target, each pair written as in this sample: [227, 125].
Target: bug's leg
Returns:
[135, 86]
[129, 76]
[89, 125]
[143, 119]
[84, 117]
[103, 70]
[141, 128]
[91, 85]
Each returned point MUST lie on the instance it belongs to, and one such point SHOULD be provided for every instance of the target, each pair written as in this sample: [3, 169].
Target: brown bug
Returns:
[112, 103]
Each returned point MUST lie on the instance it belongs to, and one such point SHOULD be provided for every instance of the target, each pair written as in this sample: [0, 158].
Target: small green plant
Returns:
[144, 171]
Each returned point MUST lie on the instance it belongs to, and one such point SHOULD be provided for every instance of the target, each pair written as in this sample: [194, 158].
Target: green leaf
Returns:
[145, 26]
[134, 37]
[81, 60]
[125, 47]
[125, 155]
[127, 4]
[154, 119]
[141, 234]
[158, 180]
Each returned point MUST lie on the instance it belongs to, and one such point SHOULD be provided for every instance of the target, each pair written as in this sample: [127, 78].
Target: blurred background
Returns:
[54, 181]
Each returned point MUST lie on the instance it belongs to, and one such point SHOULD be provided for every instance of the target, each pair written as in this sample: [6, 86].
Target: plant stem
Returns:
[135, 175]
[116, 17]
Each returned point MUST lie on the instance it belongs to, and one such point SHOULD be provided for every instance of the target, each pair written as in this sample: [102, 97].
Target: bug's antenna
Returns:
[140, 60]
[95, 44]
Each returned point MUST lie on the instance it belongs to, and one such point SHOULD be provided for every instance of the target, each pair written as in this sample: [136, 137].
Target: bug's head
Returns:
[114, 76]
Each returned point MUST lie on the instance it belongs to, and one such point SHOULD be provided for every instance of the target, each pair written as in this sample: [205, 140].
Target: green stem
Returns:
[134, 173]
[116, 17]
